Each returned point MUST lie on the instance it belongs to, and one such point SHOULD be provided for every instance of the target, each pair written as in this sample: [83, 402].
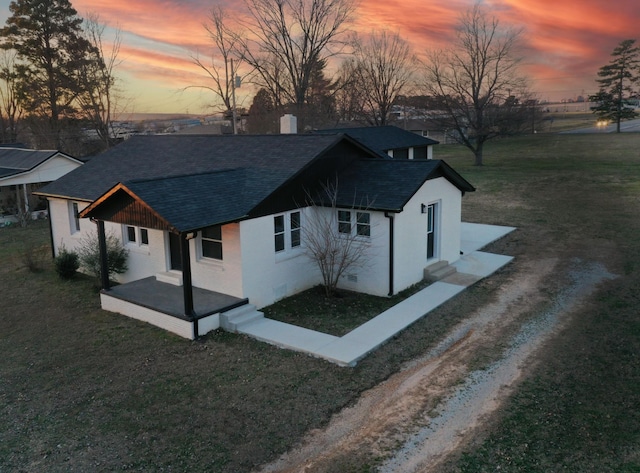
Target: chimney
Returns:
[288, 124]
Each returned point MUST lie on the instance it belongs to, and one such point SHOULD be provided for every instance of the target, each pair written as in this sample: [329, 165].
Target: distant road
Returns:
[626, 126]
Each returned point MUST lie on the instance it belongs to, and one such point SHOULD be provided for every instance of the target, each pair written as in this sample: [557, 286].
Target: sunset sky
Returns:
[564, 41]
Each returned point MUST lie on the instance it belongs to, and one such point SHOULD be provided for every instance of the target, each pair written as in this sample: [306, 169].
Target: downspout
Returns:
[390, 217]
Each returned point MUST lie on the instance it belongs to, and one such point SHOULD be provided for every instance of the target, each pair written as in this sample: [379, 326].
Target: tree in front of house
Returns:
[50, 51]
[334, 235]
[470, 81]
[618, 83]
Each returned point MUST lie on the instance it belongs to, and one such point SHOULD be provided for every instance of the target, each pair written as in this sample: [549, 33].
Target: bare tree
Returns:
[10, 109]
[333, 246]
[291, 37]
[471, 80]
[98, 98]
[384, 66]
[224, 61]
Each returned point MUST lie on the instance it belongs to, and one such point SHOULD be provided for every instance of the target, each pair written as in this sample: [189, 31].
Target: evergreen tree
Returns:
[617, 82]
[50, 50]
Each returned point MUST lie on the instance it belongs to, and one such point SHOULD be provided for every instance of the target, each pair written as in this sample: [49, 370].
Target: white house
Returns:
[24, 170]
[214, 222]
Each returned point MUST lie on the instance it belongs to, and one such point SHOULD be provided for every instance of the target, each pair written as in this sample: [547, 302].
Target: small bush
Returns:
[67, 264]
[34, 257]
[89, 254]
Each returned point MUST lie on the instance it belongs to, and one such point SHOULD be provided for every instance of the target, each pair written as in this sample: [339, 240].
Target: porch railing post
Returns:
[104, 260]
[187, 286]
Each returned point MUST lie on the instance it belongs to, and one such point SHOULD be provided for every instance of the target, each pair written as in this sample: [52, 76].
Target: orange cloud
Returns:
[564, 41]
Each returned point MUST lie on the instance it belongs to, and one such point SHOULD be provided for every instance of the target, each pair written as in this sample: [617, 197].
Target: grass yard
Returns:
[86, 390]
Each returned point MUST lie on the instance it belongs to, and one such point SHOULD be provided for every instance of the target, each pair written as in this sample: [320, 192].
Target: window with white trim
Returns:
[211, 242]
[137, 236]
[287, 231]
[74, 219]
[349, 220]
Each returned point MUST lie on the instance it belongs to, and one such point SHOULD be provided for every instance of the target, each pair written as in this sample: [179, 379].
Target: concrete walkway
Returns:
[352, 347]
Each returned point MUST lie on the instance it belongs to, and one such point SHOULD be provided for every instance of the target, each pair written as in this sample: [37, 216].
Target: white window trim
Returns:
[288, 251]
[201, 258]
[137, 245]
[353, 213]
[74, 220]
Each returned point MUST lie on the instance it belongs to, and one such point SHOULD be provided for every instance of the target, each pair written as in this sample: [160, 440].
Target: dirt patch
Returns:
[432, 405]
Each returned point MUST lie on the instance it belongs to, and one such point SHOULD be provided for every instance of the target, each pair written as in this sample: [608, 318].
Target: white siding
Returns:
[268, 276]
[222, 276]
[52, 169]
[410, 257]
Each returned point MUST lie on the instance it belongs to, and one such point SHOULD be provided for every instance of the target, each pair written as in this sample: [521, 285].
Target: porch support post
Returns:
[104, 261]
[187, 286]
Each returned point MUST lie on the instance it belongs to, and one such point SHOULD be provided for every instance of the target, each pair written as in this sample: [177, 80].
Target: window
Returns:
[278, 231]
[212, 242]
[287, 231]
[136, 235]
[349, 220]
[420, 152]
[295, 229]
[344, 221]
[74, 220]
[363, 225]
[402, 153]
[131, 234]
[144, 236]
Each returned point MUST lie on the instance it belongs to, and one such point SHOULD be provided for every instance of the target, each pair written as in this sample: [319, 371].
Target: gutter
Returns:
[391, 238]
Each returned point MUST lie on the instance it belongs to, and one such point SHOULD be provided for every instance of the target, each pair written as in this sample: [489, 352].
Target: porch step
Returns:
[234, 319]
[170, 277]
[438, 271]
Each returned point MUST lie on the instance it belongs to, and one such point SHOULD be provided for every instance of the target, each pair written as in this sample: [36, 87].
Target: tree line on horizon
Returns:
[58, 78]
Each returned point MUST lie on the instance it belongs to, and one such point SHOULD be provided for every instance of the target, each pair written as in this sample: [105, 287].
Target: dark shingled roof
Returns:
[16, 160]
[202, 200]
[387, 185]
[164, 156]
[192, 182]
[383, 138]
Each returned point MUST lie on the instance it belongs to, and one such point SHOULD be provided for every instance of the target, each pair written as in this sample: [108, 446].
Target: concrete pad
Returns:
[370, 335]
[474, 236]
[287, 335]
[481, 264]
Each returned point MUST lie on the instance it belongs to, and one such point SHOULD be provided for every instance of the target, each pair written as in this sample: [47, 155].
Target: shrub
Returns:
[34, 257]
[66, 264]
[89, 254]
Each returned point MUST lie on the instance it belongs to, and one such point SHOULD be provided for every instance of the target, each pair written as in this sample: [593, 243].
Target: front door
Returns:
[431, 230]
[174, 252]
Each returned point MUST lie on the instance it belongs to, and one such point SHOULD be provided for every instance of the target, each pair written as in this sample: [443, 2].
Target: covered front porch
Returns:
[162, 304]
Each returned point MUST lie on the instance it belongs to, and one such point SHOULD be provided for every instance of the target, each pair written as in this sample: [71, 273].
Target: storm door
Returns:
[175, 258]
[431, 230]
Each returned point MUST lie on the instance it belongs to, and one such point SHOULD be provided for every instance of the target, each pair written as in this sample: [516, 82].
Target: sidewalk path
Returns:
[352, 347]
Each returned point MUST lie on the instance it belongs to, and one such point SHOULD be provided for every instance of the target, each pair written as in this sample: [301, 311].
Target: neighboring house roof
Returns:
[15, 161]
[383, 138]
[184, 183]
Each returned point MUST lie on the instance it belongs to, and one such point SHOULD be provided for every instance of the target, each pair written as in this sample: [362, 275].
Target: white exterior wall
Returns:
[268, 276]
[372, 277]
[52, 169]
[221, 276]
[410, 234]
[143, 260]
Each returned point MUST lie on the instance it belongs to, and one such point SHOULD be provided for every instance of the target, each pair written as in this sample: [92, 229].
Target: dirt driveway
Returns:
[435, 404]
